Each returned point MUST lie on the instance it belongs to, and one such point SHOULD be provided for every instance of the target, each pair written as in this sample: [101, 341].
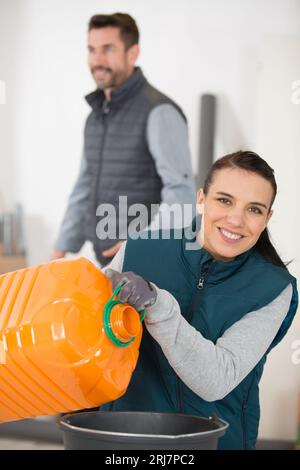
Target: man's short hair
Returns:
[128, 29]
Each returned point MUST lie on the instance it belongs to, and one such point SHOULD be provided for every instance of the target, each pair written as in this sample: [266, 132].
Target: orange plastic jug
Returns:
[65, 343]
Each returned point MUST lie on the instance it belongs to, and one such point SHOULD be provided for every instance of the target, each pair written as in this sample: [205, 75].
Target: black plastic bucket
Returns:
[140, 430]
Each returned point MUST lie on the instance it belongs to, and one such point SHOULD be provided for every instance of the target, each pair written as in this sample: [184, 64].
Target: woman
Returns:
[213, 314]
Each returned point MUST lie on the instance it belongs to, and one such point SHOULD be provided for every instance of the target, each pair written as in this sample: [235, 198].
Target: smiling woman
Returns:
[213, 313]
[238, 195]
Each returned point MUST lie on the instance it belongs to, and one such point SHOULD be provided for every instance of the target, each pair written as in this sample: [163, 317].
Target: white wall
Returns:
[188, 47]
[278, 139]
[8, 16]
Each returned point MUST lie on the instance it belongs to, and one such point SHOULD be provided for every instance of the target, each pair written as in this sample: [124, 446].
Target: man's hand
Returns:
[58, 254]
[110, 253]
[136, 290]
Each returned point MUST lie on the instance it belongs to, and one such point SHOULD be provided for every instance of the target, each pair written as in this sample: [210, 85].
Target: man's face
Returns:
[109, 61]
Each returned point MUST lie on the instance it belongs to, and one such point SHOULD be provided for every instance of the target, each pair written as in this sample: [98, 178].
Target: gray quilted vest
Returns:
[118, 159]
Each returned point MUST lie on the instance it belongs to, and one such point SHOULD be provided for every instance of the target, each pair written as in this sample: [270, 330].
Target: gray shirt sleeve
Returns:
[167, 137]
[211, 370]
[117, 261]
[71, 234]
[214, 370]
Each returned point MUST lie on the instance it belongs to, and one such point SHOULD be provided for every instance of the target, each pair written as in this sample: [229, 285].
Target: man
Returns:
[135, 144]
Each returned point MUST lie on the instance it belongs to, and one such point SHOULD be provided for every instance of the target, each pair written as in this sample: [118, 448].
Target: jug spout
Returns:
[125, 322]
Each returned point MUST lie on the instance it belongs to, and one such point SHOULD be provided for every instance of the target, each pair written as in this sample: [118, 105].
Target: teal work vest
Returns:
[212, 295]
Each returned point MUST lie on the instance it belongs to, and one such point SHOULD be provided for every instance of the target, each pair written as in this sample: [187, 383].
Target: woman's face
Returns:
[235, 212]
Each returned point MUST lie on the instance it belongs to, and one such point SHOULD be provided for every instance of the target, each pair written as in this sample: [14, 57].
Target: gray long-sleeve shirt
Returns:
[167, 137]
[211, 370]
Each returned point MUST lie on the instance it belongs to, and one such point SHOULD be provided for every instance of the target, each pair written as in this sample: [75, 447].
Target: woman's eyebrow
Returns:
[229, 195]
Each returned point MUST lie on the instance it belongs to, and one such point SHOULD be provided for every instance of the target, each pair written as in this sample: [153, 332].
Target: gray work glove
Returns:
[136, 290]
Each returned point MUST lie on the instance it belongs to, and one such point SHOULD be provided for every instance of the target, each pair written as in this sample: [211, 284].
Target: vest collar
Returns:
[196, 259]
[134, 82]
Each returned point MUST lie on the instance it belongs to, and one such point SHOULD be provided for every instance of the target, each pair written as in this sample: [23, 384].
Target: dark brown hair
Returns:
[251, 161]
[128, 29]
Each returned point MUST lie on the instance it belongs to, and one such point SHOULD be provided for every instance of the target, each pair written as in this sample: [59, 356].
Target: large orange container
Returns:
[64, 345]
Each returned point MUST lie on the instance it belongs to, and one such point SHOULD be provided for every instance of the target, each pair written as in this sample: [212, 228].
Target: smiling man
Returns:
[111, 59]
[135, 144]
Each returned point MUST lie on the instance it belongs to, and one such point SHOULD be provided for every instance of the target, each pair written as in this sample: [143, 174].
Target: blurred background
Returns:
[245, 53]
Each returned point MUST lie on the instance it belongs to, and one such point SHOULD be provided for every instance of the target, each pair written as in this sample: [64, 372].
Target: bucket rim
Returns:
[222, 426]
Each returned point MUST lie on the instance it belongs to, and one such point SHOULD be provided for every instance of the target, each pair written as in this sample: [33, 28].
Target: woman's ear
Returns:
[200, 200]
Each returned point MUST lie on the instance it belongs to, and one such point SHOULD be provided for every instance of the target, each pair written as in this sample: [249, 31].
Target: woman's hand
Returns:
[136, 290]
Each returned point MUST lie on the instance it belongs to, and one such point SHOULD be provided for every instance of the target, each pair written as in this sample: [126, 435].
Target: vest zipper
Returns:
[179, 396]
[203, 277]
[244, 408]
[105, 107]
[200, 286]
[243, 417]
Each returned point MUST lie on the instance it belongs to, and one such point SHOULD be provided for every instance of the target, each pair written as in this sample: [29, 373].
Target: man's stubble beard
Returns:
[117, 79]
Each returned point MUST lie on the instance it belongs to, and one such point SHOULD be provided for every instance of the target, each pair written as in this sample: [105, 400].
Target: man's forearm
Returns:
[72, 235]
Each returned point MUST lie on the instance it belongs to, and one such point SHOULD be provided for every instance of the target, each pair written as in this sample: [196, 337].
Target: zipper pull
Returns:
[203, 276]
[105, 107]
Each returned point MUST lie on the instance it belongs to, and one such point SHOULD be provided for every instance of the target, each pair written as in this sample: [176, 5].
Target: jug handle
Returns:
[106, 319]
